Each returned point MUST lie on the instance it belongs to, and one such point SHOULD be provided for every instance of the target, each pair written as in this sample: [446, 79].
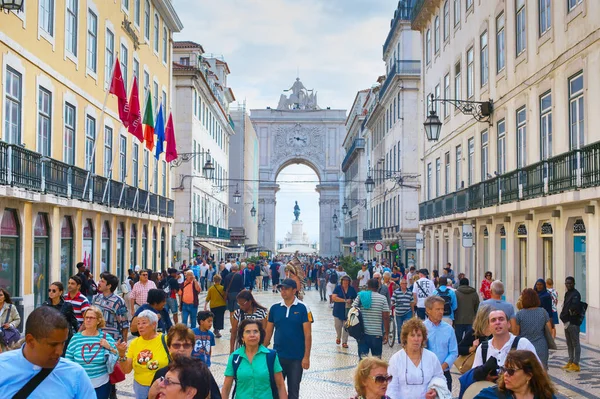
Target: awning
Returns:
[237, 250]
[206, 245]
[219, 246]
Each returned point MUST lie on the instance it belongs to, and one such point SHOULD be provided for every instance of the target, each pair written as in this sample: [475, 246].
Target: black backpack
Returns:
[333, 277]
[447, 301]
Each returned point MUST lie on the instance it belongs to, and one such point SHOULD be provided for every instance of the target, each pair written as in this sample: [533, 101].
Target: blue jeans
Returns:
[191, 311]
[371, 343]
[141, 391]
[460, 330]
[400, 320]
[103, 391]
[203, 283]
[421, 313]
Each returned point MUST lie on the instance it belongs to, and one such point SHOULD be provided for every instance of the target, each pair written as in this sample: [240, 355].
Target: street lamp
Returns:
[236, 195]
[208, 168]
[370, 184]
[345, 209]
[14, 5]
[334, 217]
[253, 211]
[432, 124]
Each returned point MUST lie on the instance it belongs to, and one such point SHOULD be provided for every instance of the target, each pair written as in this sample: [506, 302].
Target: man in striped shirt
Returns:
[375, 312]
[403, 304]
[76, 298]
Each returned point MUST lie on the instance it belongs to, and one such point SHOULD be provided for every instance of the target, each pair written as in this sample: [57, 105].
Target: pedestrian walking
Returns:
[76, 298]
[189, 299]
[572, 315]
[376, 320]
[157, 300]
[234, 284]
[322, 278]
[84, 281]
[383, 288]
[468, 303]
[441, 338]
[9, 320]
[554, 295]
[215, 298]
[46, 331]
[171, 288]
[248, 309]
[403, 304]
[342, 297]
[371, 378]
[545, 297]
[496, 302]
[486, 286]
[113, 307]
[449, 297]
[531, 323]
[204, 340]
[56, 300]
[290, 322]
[422, 289]
[478, 333]
[139, 294]
[363, 277]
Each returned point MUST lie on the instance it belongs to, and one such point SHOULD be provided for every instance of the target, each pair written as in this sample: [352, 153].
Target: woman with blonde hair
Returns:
[371, 378]
[478, 333]
[215, 297]
[522, 376]
[95, 351]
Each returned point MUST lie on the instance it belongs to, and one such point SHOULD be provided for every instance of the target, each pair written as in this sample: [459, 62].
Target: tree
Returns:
[351, 266]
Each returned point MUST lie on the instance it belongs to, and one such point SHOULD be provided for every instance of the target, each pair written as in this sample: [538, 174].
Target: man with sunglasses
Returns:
[139, 294]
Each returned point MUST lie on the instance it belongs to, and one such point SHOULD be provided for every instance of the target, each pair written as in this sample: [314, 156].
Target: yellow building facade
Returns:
[57, 59]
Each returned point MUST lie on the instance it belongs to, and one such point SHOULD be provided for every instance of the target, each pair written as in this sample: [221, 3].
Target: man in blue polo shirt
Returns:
[291, 319]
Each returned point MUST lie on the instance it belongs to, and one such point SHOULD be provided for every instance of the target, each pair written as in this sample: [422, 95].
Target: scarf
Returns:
[365, 299]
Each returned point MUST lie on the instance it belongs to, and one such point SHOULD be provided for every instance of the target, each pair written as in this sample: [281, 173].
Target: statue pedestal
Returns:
[297, 232]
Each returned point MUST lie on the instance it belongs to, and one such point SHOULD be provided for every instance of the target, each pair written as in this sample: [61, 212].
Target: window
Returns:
[501, 129]
[437, 96]
[446, 20]
[470, 73]
[428, 46]
[165, 46]
[545, 16]
[155, 99]
[13, 106]
[457, 81]
[136, 11]
[484, 155]
[500, 44]
[436, 35]
[446, 94]
[456, 12]
[147, 20]
[108, 140]
[438, 176]
[135, 162]
[44, 121]
[71, 27]
[164, 178]
[429, 181]
[90, 138]
[184, 61]
[146, 169]
[92, 41]
[109, 56]
[122, 158]
[156, 30]
[163, 101]
[459, 183]
[521, 138]
[69, 138]
[155, 178]
[47, 16]
[521, 34]
[136, 71]
[573, 3]
[146, 85]
[124, 64]
[576, 112]
[447, 167]
[483, 42]
[546, 126]
[469, 4]
[471, 161]
[125, 4]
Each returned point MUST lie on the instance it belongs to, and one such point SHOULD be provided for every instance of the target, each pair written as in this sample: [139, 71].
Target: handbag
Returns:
[549, 338]
[117, 375]
[9, 335]
[465, 362]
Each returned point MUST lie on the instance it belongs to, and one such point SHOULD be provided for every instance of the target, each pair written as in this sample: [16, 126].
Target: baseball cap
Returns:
[288, 283]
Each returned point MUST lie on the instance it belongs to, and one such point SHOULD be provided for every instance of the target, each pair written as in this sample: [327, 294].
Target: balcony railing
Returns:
[348, 240]
[372, 234]
[357, 144]
[27, 169]
[400, 67]
[572, 170]
[204, 230]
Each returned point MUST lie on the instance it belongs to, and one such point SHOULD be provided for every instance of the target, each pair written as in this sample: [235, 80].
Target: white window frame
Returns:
[156, 34]
[109, 55]
[69, 129]
[446, 13]
[438, 176]
[501, 146]
[147, 20]
[122, 158]
[108, 149]
[146, 169]
[576, 107]
[470, 72]
[74, 38]
[446, 95]
[90, 138]
[572, 4]
[436, 35]
[546, 125]
[18, 72]
[44, 141]
[485, 154]
[520, 27]
[471, 161]
[448, 176]
[137, 13]
[51, 13]
[91, 54]
[429, 178]
[458, 166]
[457, 80]
[135, 165]
[521, 139]
[124, 59]
[456, 12]
[165, 50]
[484, 73]
[500, 42]
[428, 47]
[545, 16]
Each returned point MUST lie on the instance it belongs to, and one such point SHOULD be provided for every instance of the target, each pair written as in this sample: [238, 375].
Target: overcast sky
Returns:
[334, 45]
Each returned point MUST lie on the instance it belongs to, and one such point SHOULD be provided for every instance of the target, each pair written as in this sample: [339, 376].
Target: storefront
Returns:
[580, 262]
[9, 252]
[66, 249]
[121, 251]
[105, 250]
[88, 245]
[41, 255]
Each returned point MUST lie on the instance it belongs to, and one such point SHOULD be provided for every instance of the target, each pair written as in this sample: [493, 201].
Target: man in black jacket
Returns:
[84, 280]
[572, 316]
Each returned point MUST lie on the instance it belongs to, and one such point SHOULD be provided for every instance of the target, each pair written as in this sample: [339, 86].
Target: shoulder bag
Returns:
[549, 338]
[228, 287]
[464, 363]
[32, 384]
[9, 335]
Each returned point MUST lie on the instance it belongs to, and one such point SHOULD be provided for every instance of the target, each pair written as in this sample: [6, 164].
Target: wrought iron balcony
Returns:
[203, 230]
[357, 144]
[20, 167]
[572, 170]
[400, 67]
[348, 240]
[372, 234]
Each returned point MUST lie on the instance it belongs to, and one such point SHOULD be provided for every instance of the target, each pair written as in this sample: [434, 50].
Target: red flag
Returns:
[135, 116]
[118, 89]
[171, 153]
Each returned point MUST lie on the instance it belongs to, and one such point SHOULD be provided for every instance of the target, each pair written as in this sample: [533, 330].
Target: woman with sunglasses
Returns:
[95, 351]
[371, 378]
[56, 300]
[249, 309]
[187, 378]
[521, 377]
[413, 367]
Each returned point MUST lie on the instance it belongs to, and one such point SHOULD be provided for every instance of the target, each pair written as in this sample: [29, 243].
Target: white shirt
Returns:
[406, 374]
[500, 354]
[363, 276]
[378, 269]
[426, 290]
[228, 266]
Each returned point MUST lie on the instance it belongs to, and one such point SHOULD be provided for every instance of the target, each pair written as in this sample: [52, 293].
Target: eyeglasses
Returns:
[509, 371]
[406, 373]
[166, 382]
[178, 345]
[380, 379]
[144, 274]
[90, 317]
[52, 290]
[242, 303]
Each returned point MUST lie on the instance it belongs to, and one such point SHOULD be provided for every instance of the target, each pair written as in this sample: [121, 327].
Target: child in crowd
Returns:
[205, 339]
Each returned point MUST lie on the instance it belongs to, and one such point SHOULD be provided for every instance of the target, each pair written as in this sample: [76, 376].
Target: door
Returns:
[580, 270]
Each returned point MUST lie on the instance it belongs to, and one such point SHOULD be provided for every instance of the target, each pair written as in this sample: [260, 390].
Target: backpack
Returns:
[270, 365]
[333, 277]
[354, 323]
[445, 295]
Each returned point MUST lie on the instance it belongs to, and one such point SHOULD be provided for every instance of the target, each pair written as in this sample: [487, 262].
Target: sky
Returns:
[334, 46]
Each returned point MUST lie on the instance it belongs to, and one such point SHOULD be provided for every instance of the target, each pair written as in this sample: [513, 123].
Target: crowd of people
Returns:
[84, 341]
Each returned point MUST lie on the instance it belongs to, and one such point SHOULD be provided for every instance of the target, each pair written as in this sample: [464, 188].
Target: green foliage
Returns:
[253, 259]
[351, 266]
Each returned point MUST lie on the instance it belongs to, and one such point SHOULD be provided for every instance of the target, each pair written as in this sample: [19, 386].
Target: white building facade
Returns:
[203, 126]
[526, 182]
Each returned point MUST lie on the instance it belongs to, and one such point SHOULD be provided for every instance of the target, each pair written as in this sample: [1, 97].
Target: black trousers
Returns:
[292, 372]
[448, 379]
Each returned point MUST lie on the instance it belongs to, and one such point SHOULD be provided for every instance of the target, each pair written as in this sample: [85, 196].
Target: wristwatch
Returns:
[122, 359]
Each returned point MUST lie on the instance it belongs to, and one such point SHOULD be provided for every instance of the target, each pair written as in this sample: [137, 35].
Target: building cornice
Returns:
[167, 11]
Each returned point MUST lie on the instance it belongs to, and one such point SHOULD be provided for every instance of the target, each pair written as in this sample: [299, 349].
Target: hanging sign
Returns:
[467, 236]
[420, 241]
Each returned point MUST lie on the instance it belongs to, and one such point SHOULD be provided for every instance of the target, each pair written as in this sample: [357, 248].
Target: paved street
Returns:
[332, 367]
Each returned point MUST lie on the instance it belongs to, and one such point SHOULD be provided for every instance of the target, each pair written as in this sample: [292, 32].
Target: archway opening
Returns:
[297, 183]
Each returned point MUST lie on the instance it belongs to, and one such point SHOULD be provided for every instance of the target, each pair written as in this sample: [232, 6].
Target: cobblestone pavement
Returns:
[331, 371]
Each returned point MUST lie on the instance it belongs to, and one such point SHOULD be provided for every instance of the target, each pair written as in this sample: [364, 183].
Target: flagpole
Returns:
[92, 159]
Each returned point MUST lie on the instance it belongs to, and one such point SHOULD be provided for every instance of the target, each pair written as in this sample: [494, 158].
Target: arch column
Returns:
[266, 207]
[329, 203]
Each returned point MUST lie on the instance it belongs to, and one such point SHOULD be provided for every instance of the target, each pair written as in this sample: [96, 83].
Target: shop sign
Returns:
[467, 235]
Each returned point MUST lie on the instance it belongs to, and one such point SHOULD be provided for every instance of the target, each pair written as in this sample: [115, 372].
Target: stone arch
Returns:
[281, 165]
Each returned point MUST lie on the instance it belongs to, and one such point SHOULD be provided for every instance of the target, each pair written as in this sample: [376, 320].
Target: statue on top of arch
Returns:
[300, 99]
